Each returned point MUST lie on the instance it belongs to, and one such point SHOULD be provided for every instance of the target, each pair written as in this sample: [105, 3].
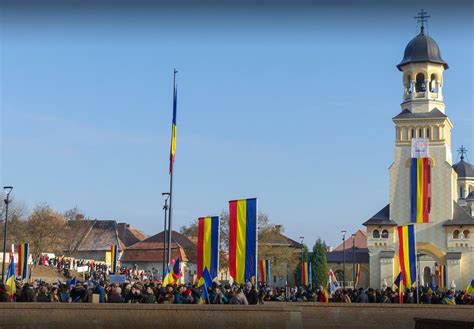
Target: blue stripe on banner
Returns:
[411, 252]
[310, 274]
[413, 185]
[25, 258]
[267, 267]
[214, 246]
[250, 244]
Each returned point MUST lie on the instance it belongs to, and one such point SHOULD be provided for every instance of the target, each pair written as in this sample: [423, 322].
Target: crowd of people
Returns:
[151, 291]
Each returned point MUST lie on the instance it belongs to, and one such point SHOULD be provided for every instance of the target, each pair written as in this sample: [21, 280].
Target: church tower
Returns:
[424, 183]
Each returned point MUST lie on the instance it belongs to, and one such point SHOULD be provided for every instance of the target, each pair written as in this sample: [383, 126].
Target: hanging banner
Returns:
[419, 148]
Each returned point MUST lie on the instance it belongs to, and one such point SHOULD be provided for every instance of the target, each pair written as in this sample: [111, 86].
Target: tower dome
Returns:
[422, 48]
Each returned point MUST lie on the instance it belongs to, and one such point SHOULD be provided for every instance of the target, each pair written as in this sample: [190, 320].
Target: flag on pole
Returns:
[205, 282]
[10, 282]
[243, 240]
[167, 277]
[113, 258]
[176, 271]
[443, 280]
[264, 266]
[304, 273]
[398, 280]
[470, 288]
[173, 126]
[357, 275]
[23, 260]
[407, 254]
[208, 245]
[333, 284]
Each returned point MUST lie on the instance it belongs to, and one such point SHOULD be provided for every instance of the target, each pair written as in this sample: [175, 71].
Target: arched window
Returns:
[427, 132]
[376, 234]
[420, 133]
[407, 84]
[420, 84]
[466, 234]
[456, 234]
[461, 192]
[384, 234]
[412, 133]
[434, 83]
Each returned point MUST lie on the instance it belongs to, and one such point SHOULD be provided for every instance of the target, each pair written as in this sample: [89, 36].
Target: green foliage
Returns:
[319, 263]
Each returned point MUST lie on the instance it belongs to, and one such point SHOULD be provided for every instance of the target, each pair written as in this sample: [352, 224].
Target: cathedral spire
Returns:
[422, 18]
[461, 151]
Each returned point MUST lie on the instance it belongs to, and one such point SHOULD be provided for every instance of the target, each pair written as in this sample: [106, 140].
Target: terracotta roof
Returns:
[129, 235]
[360, 241]
[151, 249]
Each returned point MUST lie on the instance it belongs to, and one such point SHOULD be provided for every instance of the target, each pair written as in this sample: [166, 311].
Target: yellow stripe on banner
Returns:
[241, 239]
[406, 256]
[173, 140]
[206, 246]
[419, 190]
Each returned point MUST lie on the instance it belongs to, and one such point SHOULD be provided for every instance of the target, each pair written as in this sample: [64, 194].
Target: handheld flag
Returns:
[22, 260]
[407, 254]
[10, 282]
[398, 280]
[333, 284]
[208, 245]
[113, 257]
[264, 266]
[176, 271]
[470, 288]
[243, 240]
[206, 278]
[173, 125]
[73, 282]
[167, 278]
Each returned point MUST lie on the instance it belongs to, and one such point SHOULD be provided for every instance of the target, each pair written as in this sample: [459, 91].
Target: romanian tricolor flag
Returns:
[208, 246]
[113, 258]
[357, 275]
[407, 254]
[243, 240]
[10, 282]
[443, 280]
[264, 266]
[22, 261]
[420, 190]
[173, 126]
[306, 273]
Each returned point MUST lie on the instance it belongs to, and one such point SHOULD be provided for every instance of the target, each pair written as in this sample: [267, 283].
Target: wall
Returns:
[270, 315]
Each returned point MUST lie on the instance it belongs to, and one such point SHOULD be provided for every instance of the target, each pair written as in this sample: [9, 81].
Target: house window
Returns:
[466, 234]
[384, 234]
[456, 234]
[376, 234]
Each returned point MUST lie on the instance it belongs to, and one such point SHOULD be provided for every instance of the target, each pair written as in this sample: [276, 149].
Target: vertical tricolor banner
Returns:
[304, 273]
[243, 240]
[420, 181]
[22, 260]
[208, 246]
[407, 254]
[357, 275]
[264, 266]
[443, 280]
[113, 258]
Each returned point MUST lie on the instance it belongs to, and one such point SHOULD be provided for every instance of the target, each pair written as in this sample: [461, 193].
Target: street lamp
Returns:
[8, 190]
[301, 239]
[165, 208]
[343, 258]
[354, 273]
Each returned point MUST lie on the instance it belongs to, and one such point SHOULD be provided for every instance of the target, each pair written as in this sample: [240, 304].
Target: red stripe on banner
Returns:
[426, 189]
[232, 238]
[262, 275]
[20, 253]
[400, 253]
[200, 255]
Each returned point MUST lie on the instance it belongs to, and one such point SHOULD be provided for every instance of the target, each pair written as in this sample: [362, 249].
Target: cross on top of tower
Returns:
[422, 18]
[462, 150]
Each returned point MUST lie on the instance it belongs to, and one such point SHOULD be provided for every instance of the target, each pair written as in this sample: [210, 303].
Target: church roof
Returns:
[381, 218]
[464, 168]
[460, 217]
[422, 48]
[433, 114]
[360, 241]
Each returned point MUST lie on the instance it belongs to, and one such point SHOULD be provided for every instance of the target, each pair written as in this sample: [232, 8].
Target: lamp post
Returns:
[165, 208]
[302, 247]
[343, 259]
[8, 190]
[354, 273]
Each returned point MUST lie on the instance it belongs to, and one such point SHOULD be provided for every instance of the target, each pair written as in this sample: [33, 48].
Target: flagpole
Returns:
[170, 211]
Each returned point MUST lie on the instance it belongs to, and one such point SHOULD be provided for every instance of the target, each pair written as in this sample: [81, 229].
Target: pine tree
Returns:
[319, 265]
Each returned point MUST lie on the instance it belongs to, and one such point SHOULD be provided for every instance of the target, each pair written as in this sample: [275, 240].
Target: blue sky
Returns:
[292, 105]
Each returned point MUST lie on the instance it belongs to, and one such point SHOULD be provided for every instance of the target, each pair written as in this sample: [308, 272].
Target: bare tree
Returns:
[16, 222]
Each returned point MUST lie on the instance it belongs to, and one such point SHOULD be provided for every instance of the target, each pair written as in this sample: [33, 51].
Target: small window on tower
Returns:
[420, 133]
[420, 84]
[434, 84]
[413, 133]
[384, 234]
[427, 132]
[456, 234]
[376, 234]
[461, 192]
